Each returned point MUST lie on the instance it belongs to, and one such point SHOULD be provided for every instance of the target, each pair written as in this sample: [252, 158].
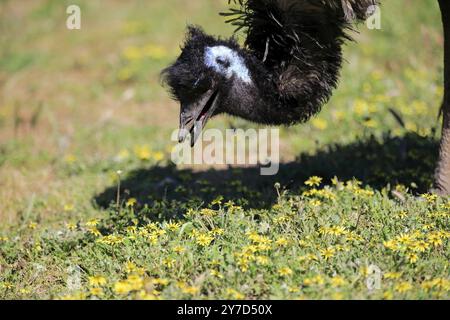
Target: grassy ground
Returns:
[77, 106]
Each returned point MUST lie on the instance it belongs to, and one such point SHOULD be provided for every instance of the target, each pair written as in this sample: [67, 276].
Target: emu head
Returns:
[204, 79]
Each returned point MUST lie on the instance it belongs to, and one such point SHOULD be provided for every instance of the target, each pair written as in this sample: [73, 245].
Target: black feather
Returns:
[287, 24]
[293, 50]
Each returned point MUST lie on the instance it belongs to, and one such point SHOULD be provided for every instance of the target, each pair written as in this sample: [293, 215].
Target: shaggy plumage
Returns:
[286, 71]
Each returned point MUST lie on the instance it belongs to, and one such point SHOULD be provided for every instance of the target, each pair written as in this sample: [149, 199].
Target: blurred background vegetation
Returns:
[77, 105]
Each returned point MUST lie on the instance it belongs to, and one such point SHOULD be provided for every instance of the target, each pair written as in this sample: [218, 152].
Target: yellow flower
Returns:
[392, 275]
[160, 281]
[25, 291]
[410, 126]
[235, 295]
[194, 233]
[319, 279]
[158, 156]
[412, 257]
[130, 267]
[204, 239]
[285, 271]
[96, 281]
[32, 225]
[314, 181]
[135, 282]
[229, 204]
[190, 290]
[316, 280]
[420, 246]
[169, 262]
[404, 239]
[111, 240]
[319, 123]
[208, 212]
[327, 253]
[293, 290]
[94, 231]
[391, 245]
[262, 260]
[217, 231]
[131, 230]
[132, 53]
[77, 296]
[335, 231]
[160, 232]
[370, 123]
[337, 281]
[190, 213]
[37, 247]
[71, 226]
[96, 292]
[282, 242]
[143, 152]
[217, 201]
[403, 287]
[315, 203]
[216, 274]
[178, 249]
[143, 295]
[335, 181]
[360, 107]
[131, 202]
[122, 287]
[337, 296]
[6, 285]
[308, 257]
[388, 295]
[173, 226]
[401, 215]
[92, 223]
[364, 271]
[430, 198]
[256, 238]
[338, 230]
[428, 226]
[364, 192]
[435, 239]
[438, 283]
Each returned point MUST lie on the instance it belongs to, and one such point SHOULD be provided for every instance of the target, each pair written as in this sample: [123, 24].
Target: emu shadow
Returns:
[407, 160]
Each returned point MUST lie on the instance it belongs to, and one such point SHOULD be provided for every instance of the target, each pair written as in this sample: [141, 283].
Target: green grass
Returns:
[77, 106]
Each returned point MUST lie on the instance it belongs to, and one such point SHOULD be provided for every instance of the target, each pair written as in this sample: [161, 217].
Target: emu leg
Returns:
[442, 175]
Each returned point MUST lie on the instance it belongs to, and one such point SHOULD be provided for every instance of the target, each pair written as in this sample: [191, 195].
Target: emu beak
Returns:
[195, 115]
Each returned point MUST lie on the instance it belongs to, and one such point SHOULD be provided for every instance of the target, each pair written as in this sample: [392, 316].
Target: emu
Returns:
[286, 71]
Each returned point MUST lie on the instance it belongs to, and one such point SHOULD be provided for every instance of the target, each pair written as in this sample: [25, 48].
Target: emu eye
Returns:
[223, 62]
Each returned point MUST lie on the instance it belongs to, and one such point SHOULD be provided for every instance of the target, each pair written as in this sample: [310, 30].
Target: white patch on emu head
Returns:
[227, 62]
